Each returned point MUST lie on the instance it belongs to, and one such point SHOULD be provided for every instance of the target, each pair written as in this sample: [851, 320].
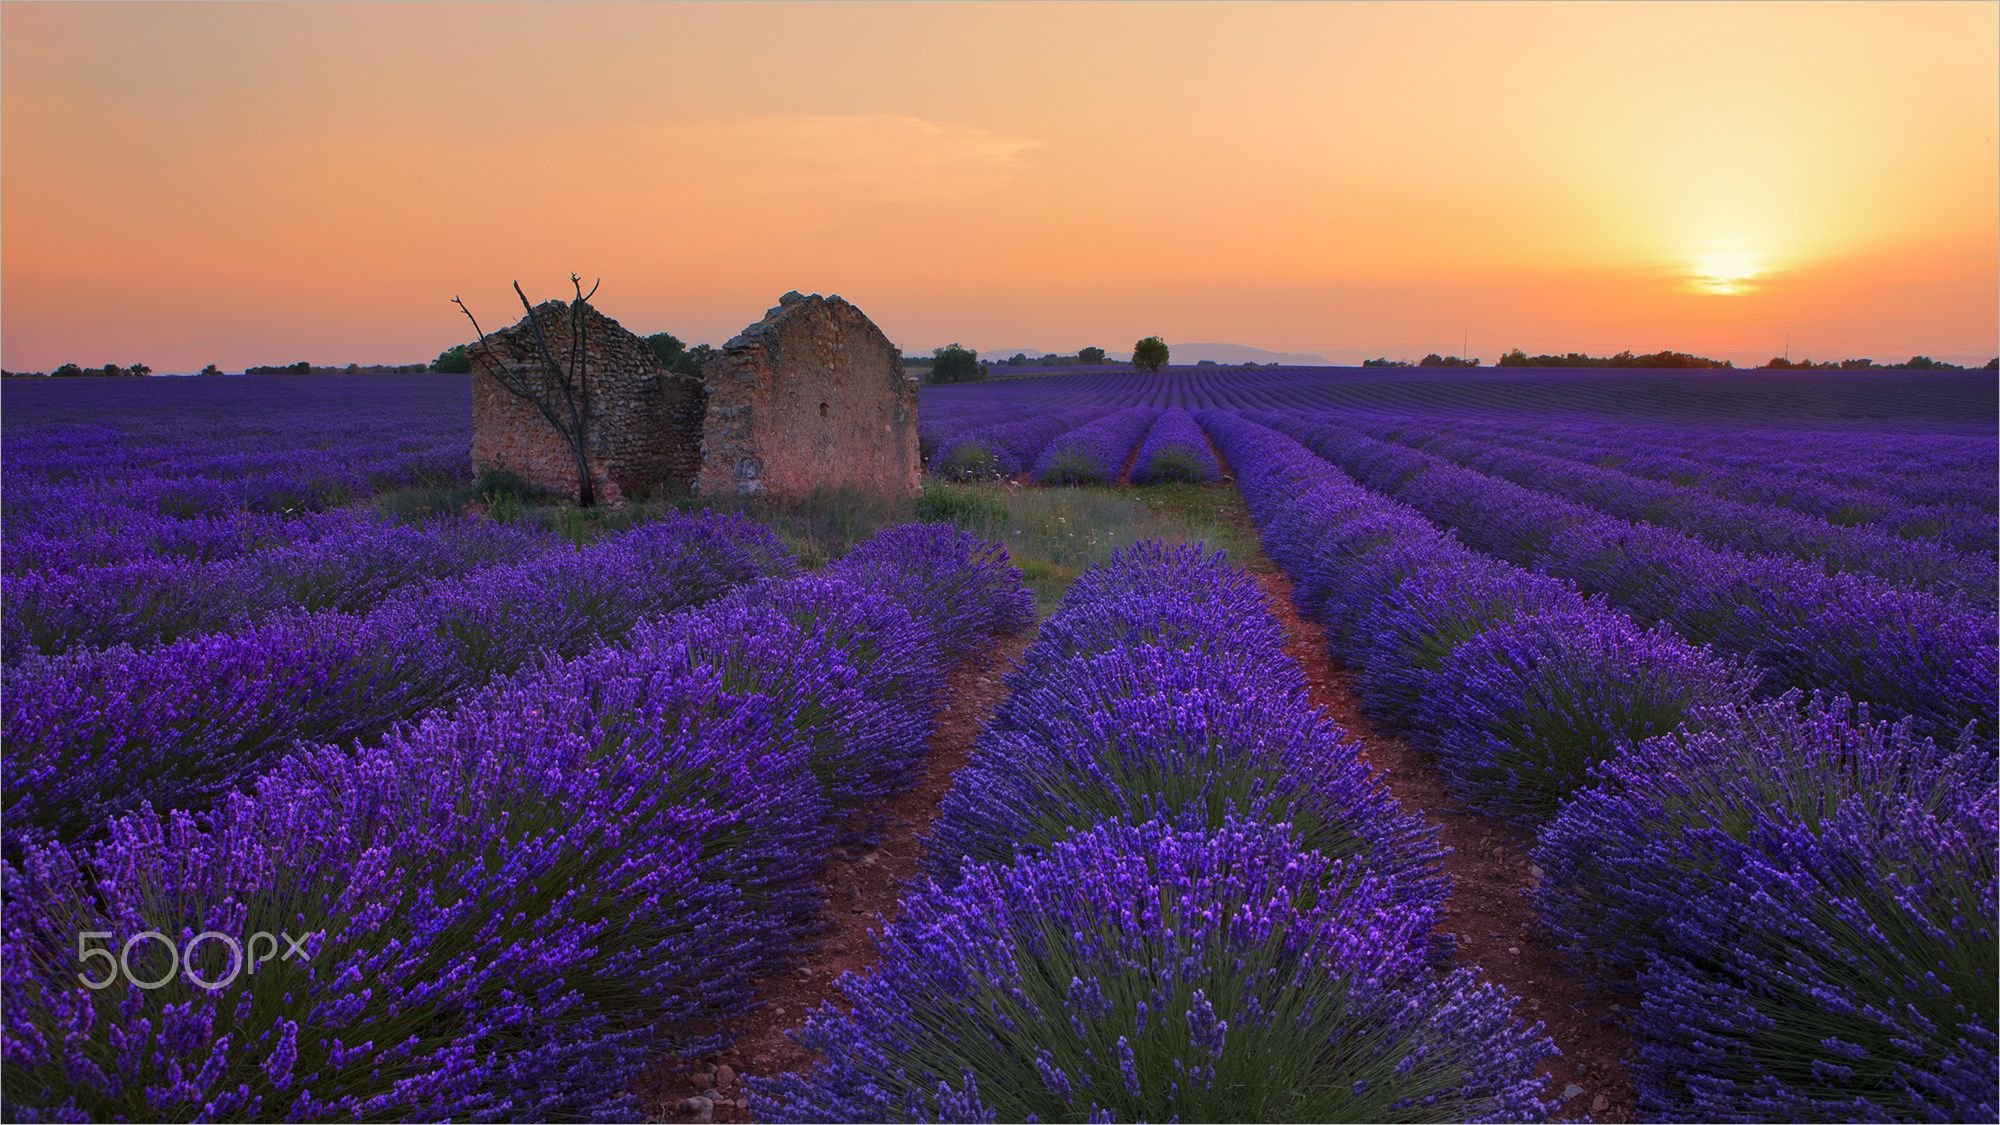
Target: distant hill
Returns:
[1193, 352]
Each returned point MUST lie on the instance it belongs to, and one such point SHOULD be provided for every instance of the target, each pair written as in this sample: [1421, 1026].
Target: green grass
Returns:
[1052, 534]
[1175, 464]
[1055, 534]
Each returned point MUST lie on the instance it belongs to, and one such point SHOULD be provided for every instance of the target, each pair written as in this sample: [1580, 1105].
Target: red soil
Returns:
[1131, 462]
[860, 892]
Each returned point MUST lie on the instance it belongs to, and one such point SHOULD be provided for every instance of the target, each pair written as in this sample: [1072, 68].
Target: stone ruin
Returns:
[813, 395]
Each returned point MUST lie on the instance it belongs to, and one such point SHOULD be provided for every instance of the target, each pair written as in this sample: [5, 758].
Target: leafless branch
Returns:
[571, 383]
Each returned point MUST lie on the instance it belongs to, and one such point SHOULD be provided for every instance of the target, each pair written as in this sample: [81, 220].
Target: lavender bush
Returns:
[1096, 452]
[1804, 901]
[1175, 450]
[1518, 713]
[93, 533]
[1149, 733]
[960, 587]
[1719, 521]
[1007, 449]
[1160, 689]
[510, 914]
[1144, 973]
[1659, 824]
[1403, 639]
[895, 652]
[1854, 978]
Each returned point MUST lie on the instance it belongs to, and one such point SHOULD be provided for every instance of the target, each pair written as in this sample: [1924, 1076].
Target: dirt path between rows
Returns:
[858, 889]
[1132, 461]
[1488, 912]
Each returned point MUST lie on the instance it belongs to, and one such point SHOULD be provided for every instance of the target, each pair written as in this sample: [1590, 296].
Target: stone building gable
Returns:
[813, 395]
[644, 431]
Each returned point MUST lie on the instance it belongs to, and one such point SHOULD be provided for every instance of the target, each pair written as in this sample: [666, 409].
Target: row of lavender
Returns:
[1089, 446]
[1865, 406]
[1936, 492]
[1908, 652]
[93, 732]
[1801, 900]
[337, 561]
[99, 473]
[1719, 521]
[1855, 478]
[1166, 887]
[511, 909]
[1921, 473]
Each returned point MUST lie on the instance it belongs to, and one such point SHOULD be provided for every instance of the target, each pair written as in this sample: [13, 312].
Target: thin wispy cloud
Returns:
[884, 157]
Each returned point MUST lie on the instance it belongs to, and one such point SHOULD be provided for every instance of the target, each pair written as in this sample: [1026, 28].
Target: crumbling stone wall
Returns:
[811, 395]
[644, 428]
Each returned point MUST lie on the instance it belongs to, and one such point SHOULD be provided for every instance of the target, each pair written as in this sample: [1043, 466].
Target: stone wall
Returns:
[811, 395]
[644, 426]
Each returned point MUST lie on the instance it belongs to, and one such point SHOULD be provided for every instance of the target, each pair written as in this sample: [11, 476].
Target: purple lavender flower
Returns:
[1519, 713]
[1143, 733]
[93, 733]
[517, 906]
[1332, 1012]
[1175, 450]
[1804, 901]
[517, 909]
[959, 586]
[1096, 452]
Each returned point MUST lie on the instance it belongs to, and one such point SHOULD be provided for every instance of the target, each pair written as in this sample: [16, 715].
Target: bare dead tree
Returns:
[561, 394]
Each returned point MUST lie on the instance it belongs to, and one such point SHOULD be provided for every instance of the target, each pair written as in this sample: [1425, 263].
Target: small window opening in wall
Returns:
[822, 410]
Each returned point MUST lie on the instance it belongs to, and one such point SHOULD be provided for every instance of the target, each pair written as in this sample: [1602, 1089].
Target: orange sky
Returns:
[193, 183]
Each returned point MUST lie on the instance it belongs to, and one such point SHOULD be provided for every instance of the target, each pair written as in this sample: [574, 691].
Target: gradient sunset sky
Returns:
[183, 184]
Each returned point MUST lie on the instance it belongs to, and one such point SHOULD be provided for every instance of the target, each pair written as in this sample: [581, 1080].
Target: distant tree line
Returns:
[1084, 357]
[1914, 363]
[1664, 359]
[307, 367]
[1672, 360]
[956, 363]
[78, 371]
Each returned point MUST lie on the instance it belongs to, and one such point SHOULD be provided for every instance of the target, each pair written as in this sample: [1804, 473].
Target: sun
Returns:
[1724, 272]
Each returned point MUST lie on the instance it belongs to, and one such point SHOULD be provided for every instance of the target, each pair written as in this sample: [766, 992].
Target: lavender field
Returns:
[1387, 747]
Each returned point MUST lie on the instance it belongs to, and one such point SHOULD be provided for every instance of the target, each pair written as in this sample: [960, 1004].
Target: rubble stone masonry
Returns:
[812, 395]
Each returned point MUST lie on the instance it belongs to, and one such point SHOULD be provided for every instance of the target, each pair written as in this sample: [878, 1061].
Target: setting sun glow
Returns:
[1344, 179]
[1725, 272]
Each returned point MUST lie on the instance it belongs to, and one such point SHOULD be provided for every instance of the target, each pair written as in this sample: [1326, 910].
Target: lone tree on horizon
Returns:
[1149, 354]
[562, 394]
[955, 363]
